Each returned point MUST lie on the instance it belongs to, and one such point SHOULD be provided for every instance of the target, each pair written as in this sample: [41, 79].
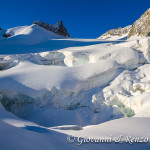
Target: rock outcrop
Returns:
[7, 35]
[141, 27]
[56, 28]
[118, 33]
[4, 34]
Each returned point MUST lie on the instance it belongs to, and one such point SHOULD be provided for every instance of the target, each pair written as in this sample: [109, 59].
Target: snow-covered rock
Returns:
[32, 34]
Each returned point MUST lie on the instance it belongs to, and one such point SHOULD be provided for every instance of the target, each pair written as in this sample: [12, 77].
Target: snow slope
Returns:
[33, 39]
[32, 34]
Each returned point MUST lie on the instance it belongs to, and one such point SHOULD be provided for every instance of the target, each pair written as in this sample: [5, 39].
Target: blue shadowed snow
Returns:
[36, 129]
[49, 45]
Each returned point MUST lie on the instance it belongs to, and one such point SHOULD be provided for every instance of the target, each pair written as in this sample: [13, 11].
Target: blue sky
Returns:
[82, 18]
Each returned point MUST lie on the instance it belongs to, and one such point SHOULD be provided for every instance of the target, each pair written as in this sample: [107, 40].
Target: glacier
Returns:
[51, 86]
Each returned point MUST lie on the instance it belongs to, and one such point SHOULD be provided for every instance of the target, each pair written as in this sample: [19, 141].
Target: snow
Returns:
[33, 39]
[69, 76]
[114, 37]
[132, 89]
[52, 86]
[124, 126]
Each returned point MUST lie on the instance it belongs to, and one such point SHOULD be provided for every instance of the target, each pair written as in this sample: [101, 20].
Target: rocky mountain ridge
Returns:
[119, 32]
[140, 27]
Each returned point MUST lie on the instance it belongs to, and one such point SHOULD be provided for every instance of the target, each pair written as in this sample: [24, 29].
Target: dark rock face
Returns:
[6, 35]
[56, 28]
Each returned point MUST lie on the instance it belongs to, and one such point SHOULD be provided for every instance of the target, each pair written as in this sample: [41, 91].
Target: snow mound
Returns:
[32, 34]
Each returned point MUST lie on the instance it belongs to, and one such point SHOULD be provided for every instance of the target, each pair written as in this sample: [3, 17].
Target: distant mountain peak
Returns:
[140, 27]
[60, 23]
[58, 28]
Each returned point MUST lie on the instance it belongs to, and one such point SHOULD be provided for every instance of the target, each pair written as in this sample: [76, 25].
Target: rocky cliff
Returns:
[58, 28]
